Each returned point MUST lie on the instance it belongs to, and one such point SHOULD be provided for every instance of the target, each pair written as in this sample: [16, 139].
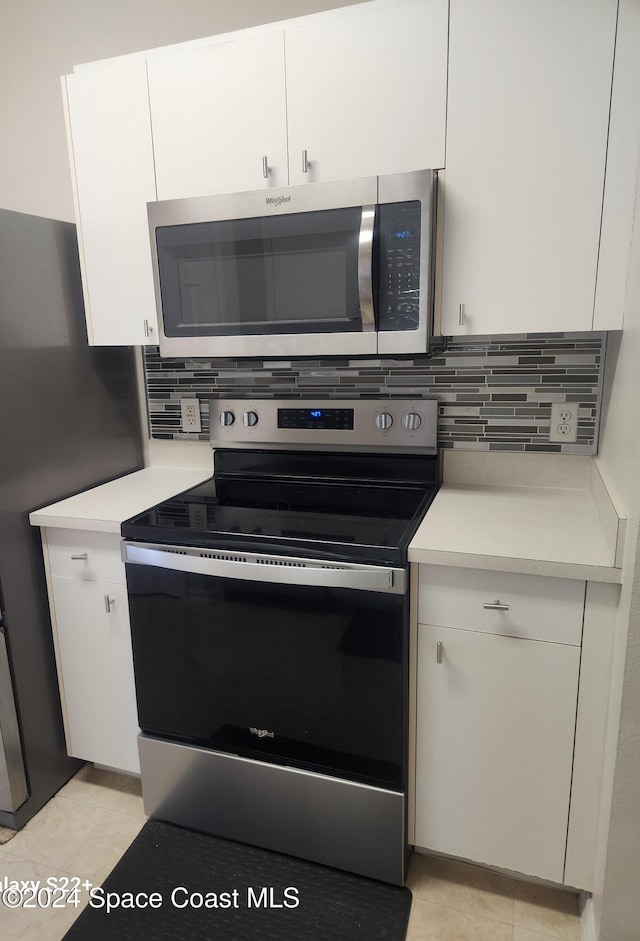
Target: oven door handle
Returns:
[263, 568]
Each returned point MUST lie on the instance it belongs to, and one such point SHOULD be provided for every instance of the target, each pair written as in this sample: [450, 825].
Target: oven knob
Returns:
[412, 421]
[227, 418]
[384, 421]
[250, 419]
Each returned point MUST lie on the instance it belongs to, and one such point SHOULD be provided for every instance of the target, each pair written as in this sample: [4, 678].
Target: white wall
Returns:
[616, 899]
[40, 40]
[616, 904]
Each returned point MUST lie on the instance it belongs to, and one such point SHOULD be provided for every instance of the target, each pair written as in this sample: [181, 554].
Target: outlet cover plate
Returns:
[564, 422]
[190, 415]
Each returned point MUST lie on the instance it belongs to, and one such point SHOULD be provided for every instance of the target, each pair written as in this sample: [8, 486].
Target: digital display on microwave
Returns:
[334, 418]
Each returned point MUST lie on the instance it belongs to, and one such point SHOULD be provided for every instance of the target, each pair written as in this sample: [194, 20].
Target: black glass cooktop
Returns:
[359, 515]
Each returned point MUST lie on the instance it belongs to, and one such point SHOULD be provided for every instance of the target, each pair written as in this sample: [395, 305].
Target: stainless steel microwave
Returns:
[321, 269]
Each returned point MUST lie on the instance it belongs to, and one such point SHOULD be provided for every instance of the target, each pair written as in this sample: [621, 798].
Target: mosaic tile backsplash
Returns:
[495, 393]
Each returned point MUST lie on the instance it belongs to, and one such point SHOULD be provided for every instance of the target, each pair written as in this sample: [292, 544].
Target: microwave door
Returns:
[290, 284]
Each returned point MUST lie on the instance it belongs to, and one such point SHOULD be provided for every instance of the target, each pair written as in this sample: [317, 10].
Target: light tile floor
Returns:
[90, 823]
[83, 831]
[458, 902]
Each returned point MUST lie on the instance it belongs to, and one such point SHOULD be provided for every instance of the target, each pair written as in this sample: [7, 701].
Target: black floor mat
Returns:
[259, 885]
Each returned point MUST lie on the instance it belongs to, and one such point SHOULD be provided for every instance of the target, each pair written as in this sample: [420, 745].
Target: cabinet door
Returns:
[218, 112]
[528, 109]
[619, 207]
[366, 91]
[96, 668]
[112, 169]
[495, 732]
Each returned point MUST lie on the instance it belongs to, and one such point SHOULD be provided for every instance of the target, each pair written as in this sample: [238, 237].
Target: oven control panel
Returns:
[328, 424]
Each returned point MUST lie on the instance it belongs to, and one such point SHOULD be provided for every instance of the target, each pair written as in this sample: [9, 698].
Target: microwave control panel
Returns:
[399, 265]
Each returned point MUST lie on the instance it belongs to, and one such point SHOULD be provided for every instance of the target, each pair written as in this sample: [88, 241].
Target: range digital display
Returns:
[333, 418]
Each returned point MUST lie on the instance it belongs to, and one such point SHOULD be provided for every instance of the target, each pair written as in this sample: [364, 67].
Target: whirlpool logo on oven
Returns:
[277, 200]
[261, 733]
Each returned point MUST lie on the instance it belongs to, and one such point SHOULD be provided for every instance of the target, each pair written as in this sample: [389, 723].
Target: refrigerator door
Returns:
[13, 784]
[70, 422]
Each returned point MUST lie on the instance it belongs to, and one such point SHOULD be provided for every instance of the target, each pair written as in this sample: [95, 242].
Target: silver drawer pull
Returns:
[495, 606]
[305, 162]
[82, 557]
[265, 168]
[439, 651]
[107, 603]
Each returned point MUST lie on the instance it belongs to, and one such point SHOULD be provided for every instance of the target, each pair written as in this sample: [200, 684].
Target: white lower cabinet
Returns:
[496, 717]
[90, 617]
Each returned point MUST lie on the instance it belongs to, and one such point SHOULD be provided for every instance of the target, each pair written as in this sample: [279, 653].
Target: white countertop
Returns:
[104, 508]
[536, 530]
[531, 530]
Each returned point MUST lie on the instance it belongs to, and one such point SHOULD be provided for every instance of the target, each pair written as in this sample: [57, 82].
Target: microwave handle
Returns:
[365, 265]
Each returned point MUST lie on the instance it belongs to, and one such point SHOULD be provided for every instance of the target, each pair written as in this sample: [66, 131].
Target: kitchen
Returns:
[617, 448]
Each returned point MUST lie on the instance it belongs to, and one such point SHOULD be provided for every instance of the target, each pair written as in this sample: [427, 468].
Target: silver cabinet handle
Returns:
[439, 651]
[265, 168]
[107, 603]
[495, 606]
[305, 162]
[82, 557]
[461, 315]
[148, 329]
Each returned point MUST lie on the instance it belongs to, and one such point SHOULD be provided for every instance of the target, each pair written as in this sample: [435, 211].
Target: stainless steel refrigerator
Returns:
[68, 421]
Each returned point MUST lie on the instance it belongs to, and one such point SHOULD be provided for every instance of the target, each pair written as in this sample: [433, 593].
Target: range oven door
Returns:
[290, 661]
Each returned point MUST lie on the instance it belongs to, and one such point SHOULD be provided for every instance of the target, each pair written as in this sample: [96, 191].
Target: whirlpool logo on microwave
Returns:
[277, 200]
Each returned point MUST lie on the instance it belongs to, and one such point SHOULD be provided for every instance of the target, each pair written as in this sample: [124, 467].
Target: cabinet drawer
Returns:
[528, 606]
[85, 555]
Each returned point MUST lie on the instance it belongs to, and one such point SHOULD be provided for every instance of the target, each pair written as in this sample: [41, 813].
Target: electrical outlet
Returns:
[564, 421]
[190, 412]
[197, 516]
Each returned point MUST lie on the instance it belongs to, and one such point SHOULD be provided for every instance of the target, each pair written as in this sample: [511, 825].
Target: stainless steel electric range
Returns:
[270, 627]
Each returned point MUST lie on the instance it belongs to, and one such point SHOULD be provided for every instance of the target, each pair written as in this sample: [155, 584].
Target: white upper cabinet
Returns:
[113, 178]
[218, 117]
[366, 91]
[528, 109]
